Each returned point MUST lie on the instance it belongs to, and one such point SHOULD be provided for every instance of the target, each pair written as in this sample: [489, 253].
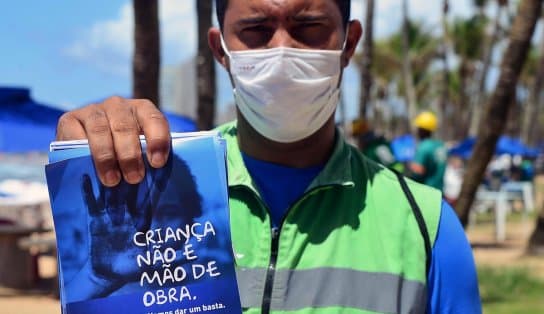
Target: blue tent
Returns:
[463, 149]
[512, 146]
[505, 145]
[25, 125]
[180, 123]
[404, 148]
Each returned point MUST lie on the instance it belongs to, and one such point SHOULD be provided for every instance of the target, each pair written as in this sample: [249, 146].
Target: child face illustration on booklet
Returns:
[163, 244]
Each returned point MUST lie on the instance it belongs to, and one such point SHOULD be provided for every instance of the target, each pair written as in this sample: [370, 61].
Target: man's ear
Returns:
[354, 35]
[214, 41]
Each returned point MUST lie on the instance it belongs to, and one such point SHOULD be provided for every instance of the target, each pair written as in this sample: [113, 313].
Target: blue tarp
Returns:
[505, 145]
[512, 146]
[180, 123]
[463, 149]
[404, 148]
[26, 125]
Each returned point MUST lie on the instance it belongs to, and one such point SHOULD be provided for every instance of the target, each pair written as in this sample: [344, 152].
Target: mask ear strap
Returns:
[227, 53]
[345, 38]
[343, 52]
[224, 46]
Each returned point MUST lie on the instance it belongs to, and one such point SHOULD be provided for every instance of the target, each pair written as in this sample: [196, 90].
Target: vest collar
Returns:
[337, 171]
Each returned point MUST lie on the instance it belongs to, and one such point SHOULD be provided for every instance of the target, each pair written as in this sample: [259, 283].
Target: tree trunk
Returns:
[408, 76]
[444, 92]
[461, 114]
[366, 63]
[146, 61]
[205, 68]
[536, 242]
[496, 112]
[531, 112]
[478, 103]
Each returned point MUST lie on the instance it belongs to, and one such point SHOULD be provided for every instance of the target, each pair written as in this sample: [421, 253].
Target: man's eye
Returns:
[257, 29]
[308, 25]
[256, 36]
[311, 34]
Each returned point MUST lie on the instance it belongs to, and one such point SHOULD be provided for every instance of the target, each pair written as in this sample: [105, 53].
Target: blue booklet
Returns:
[162, 246]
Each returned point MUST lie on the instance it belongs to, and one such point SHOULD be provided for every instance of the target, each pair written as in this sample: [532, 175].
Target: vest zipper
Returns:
[271, 271]
[267, 297]
[275, 232]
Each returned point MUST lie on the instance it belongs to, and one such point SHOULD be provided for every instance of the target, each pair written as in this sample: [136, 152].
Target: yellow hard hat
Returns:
[427, 121]
[359, 127]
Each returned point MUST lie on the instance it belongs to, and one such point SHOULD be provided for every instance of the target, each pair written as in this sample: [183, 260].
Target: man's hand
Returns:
[113, 128]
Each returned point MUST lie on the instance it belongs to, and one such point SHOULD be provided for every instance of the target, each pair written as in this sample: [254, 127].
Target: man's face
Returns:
[263, 24]
[302, 24]
[313, 24]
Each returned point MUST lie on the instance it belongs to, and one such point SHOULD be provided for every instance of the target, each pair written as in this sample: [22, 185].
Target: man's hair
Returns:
[343, 5]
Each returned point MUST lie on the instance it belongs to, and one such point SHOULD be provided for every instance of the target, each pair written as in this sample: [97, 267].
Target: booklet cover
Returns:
[162, 246]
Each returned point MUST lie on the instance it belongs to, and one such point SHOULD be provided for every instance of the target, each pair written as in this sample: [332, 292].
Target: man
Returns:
[316, 228]
[430, 160]
[374, 146]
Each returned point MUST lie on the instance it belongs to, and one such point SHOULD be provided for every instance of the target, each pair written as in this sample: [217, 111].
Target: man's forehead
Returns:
[282, 7]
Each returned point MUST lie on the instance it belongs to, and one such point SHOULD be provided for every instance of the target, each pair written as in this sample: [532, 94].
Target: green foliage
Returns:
[466, 40]
[510, 290]
[454, 85]
[388, 57]
[420, 39]
[468, 36]
[530, 68]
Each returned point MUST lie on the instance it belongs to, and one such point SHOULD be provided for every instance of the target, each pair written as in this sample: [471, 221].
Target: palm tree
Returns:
[444, 89]
[408, 77]
[146, 61]
[467, 36]
[366, 60]
[496, 111]
[535, 99]
[487, 53]
[205, 68]
[389, 56]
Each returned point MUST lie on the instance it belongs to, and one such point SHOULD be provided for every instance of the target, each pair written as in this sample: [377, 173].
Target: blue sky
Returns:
[73, 52]
[35, 36]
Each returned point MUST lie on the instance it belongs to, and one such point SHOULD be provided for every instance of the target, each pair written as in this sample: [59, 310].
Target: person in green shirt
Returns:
[429, 164]
[374, 146]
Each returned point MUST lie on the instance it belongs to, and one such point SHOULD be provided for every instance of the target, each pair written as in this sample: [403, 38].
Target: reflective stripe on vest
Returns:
[333, 287]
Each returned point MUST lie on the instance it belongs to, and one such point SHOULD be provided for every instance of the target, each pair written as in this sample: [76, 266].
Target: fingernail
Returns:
[157, 159]
[112, 177]
[134, 176]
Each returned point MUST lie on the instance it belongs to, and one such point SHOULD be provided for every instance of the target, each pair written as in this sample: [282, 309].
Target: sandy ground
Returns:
[486, 251]
[511, 252]
[40, 300]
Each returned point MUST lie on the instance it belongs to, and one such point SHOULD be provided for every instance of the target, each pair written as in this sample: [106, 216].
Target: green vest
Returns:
[350, 244]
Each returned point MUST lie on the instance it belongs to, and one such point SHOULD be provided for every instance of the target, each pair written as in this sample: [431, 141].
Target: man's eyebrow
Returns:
[310, 17]
[252, 20]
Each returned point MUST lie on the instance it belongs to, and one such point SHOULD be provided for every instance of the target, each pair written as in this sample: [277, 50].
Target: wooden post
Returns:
[18, 268]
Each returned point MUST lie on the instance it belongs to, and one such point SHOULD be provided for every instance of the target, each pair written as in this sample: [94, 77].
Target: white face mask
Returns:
[286, 94]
